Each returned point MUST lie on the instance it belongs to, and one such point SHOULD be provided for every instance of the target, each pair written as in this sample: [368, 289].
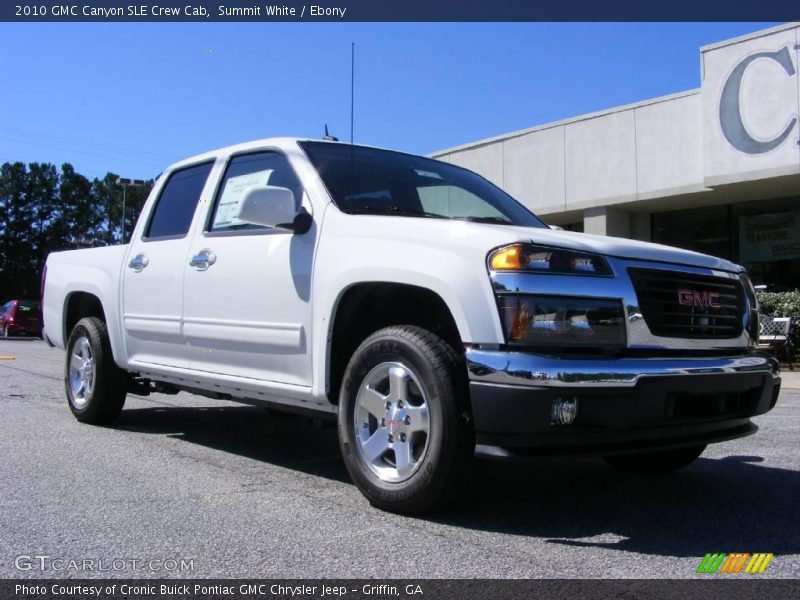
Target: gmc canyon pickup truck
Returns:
[430, 313]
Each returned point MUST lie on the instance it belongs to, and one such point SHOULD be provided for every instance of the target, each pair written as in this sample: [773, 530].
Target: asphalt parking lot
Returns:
[244, 493]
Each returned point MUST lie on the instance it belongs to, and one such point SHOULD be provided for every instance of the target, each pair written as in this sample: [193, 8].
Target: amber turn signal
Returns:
[506, 259]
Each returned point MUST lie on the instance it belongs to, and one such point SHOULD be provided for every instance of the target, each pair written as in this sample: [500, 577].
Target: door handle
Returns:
[139, 262]
[203, 259]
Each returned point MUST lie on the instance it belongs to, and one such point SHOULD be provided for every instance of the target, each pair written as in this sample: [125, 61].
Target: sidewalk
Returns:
[790, 379]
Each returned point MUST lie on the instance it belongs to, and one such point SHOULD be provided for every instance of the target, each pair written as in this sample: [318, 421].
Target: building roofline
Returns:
[562, 122]
[749, 36]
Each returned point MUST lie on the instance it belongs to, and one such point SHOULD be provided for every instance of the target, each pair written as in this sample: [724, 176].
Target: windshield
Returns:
[369, 181]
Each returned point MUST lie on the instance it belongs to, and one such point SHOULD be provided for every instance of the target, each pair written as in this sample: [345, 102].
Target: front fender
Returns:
[434, 255]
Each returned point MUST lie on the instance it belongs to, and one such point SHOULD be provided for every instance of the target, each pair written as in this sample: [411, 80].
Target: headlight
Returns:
[751, 320]
[540, 259]
[562, 321]
[750, 290]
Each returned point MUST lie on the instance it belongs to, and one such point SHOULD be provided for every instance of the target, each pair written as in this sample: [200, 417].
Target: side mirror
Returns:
[273, 207]
[556, 228]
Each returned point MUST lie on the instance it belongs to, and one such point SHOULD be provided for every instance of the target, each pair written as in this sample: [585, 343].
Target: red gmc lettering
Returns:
[697, 298]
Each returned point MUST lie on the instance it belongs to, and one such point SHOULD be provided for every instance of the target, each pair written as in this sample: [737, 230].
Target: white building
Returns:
[714, 169]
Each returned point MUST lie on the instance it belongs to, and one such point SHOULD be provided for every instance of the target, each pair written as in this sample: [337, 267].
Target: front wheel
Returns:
[404, 427]
[95, 385]
[663, 461]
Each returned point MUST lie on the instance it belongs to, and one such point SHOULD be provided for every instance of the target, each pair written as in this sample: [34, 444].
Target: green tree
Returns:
[79, 216]
[42, 198]
[108, 195]
[134, 202]
[46, 210]
[16, 228]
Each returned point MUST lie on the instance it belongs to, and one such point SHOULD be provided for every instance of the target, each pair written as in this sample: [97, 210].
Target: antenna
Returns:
[352, 86]
[328, 136]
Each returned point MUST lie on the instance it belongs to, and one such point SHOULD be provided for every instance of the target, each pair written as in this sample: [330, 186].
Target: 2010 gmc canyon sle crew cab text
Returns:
[430, 311]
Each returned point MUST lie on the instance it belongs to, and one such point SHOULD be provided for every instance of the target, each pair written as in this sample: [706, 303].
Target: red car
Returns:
[21, 317]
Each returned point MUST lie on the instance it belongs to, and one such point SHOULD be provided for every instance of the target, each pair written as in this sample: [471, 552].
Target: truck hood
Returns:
[611, 246]
[468, 238]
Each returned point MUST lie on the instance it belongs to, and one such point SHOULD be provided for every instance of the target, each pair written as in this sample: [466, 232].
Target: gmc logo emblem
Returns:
[696, 298]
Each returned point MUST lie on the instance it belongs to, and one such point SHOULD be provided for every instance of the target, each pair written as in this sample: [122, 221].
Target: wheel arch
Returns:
[79, 304]
[365, 307]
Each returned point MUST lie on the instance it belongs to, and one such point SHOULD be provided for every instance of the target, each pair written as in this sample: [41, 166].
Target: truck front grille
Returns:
[683, 305]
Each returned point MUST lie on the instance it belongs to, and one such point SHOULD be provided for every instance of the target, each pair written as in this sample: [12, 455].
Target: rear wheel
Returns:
[404, 430]
[95, 385]
[663, 461]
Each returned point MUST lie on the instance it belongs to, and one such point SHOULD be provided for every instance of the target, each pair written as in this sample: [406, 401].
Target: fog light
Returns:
[564, 411]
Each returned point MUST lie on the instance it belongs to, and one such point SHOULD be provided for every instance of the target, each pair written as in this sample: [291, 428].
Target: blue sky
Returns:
[131, 98]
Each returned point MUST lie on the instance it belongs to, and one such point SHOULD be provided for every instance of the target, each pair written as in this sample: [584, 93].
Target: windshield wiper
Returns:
[394, 210]
[399, 210]
[497, 220]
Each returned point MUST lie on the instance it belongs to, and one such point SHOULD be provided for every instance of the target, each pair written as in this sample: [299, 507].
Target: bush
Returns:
[783, 304]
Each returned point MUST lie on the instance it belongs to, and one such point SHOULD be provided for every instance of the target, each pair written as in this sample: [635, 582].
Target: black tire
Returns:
[438, 374]
[101, 402]
[664, 461]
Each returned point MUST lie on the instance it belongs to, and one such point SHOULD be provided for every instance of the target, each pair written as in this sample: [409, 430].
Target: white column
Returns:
[607, 221]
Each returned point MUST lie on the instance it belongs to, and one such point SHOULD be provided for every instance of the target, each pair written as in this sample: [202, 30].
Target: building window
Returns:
[706, 230]
[762, 235]
[767, 239]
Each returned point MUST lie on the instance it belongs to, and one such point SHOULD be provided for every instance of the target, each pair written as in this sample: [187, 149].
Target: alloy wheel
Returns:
[392, 422]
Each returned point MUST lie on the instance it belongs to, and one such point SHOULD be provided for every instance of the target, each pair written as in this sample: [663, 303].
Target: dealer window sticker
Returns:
[233, 194]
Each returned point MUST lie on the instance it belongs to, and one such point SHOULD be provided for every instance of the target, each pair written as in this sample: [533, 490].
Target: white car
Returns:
[419, 304]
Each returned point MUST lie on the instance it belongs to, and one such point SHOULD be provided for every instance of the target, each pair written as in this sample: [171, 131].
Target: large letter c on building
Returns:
[730, 113]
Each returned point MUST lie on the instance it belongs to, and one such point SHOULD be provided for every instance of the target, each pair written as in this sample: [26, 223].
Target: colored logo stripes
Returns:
[738, 562]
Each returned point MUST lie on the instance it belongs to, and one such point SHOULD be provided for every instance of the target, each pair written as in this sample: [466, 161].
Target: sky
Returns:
[130, 98]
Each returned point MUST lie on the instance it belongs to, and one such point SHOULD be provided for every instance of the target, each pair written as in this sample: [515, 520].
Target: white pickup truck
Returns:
[434, 314]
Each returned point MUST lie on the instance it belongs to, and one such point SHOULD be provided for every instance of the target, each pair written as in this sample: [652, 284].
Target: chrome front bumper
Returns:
[538, 370]
[623, 404]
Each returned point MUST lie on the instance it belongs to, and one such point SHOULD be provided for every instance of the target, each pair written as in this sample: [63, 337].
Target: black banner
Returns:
[398, 10]
[712, 588]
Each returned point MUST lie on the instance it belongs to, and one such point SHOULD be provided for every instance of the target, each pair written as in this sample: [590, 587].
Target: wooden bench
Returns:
[775, 336]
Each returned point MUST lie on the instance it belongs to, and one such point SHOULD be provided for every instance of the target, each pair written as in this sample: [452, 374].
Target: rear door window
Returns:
[172, 215]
